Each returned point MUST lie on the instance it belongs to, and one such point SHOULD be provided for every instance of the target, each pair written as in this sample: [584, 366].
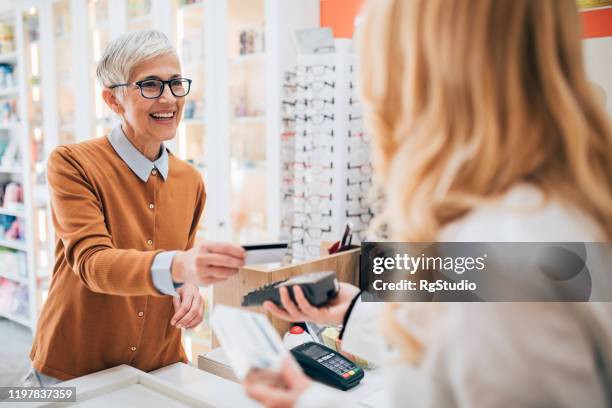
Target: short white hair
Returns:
[127, 51]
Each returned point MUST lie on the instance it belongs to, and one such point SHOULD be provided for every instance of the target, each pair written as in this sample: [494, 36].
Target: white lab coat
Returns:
[495, 354]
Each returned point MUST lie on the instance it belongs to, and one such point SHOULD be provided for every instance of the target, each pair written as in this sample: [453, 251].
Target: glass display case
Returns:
[247, 111]
[102, 118]
[64, 70]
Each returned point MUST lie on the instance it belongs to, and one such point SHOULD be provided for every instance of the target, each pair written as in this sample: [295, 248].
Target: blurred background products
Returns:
[252, 41]
[7, 39]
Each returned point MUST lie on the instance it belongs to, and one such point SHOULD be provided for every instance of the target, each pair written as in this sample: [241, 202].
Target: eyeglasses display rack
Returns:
[328, 174]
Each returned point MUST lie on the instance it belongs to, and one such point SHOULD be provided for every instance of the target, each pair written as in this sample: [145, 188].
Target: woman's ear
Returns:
[112, 101]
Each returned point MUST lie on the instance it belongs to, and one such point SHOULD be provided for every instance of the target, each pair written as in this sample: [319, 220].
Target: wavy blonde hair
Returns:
[465, 99]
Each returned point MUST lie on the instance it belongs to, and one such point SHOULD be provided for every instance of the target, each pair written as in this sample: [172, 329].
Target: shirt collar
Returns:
[136, 161]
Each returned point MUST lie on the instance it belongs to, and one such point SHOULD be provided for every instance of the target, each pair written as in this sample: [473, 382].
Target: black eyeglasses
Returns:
[364, 217]
[316, 86]
[316, 119]
[154, 88]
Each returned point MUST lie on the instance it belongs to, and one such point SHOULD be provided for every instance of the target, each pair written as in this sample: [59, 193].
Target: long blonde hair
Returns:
[466, 99]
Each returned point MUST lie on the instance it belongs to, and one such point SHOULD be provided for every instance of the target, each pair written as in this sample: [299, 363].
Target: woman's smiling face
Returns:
[154, 119]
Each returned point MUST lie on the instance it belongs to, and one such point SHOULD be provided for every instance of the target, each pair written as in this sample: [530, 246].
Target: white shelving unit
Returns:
[18, 295]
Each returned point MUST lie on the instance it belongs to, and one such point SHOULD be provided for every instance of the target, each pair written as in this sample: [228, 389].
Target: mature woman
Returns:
[126, 211]
[486, 129]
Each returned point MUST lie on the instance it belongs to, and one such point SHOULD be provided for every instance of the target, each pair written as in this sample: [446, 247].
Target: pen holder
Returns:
[230, 292]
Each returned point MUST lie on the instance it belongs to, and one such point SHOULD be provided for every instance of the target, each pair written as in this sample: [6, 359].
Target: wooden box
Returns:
[230, 292]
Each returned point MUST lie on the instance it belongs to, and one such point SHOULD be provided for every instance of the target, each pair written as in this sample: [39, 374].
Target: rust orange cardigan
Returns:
[103, 309]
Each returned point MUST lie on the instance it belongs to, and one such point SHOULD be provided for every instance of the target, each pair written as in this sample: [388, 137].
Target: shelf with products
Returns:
[8, 57]
[11, 170]
[16, 212]
[139, 14]
[16, 318]
[14, 235]
[13, 244]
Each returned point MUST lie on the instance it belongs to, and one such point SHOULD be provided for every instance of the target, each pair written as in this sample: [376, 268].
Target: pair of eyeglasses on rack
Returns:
[287, 135]
[317, 86]
[316, 134]
[364, 168]
[308, 180]
[302, 231]
[316, 168]
[352, 117]
[365, 217]
[287, 122]
[314, 148]
[316, 104]
[313, 216]
[313, 199]
[363, 185]
[353, 101]
[358, 140]
[315, 70]
[316, 119]
[358, 135]
[360, 200]
[299, 247]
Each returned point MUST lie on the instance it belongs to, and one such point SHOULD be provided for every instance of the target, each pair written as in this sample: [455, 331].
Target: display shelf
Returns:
[14, 244]
[11, 170]
[12, 211]
[14, 277]
[9, 126]
[17, 319]
[9, 57]
[8, 91]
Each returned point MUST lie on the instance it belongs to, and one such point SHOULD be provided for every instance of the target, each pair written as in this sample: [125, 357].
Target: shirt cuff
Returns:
[161, 273]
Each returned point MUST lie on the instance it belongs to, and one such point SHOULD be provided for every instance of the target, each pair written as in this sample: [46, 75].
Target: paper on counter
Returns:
[248, 340]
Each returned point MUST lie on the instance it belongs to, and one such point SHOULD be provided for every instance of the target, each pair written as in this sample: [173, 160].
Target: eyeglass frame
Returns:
[163, 87]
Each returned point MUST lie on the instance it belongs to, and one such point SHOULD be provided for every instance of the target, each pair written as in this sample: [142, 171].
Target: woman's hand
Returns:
[277, 390]
[331, 313]
[188, 307]
[207, 263]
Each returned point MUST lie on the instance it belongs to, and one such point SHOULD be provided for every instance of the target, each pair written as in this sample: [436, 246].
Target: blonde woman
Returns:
[486, 129]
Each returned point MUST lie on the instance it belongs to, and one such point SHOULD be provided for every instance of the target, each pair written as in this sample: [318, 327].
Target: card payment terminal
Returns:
[327, 366]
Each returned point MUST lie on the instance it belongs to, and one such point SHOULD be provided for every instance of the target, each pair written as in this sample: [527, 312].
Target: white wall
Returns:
[598, 60]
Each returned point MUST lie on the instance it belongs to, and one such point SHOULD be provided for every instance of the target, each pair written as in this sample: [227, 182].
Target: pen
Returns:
[345, 235]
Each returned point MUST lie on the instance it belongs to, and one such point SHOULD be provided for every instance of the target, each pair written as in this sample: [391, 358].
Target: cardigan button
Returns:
[150, 242]
[133, 349]
[140, 314]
